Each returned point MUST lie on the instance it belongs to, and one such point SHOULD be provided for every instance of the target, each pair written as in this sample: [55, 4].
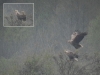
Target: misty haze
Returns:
[39, 50]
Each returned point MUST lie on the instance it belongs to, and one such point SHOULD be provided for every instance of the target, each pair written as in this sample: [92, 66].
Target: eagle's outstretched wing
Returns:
[79, 37]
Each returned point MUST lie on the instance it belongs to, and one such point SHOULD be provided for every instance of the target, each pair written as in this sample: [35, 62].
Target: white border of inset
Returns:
[18, 26]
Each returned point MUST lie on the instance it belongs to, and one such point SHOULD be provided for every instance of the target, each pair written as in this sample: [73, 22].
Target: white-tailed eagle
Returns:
[76, 38]
[72, 55]
[21, 16]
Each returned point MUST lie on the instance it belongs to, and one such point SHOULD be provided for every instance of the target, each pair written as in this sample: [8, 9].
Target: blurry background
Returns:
[54, 22]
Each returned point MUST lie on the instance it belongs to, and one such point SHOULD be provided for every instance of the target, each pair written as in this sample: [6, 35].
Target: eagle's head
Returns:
[17, 12]
[66, 51]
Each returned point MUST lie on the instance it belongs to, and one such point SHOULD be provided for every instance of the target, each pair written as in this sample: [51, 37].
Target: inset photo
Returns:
[18, 14]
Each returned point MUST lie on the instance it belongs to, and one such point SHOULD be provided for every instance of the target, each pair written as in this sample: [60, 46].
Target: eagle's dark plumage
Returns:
[72, 55]
[21, 16]
[76, 38]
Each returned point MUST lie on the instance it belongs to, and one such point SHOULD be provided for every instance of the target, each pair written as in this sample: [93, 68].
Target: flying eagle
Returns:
[21, 16]
[77, 37]
[72, 55]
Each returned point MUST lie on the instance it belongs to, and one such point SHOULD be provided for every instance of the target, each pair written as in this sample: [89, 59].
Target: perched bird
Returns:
[72, 55]
[76, 38]
[21, 16]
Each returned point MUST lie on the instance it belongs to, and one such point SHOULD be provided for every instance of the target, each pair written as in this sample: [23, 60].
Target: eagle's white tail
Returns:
[81, 45]
[76, 59]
